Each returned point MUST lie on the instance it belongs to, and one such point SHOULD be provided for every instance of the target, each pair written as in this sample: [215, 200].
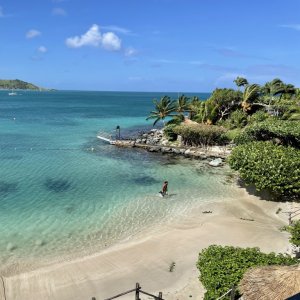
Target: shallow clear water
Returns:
[57, 196]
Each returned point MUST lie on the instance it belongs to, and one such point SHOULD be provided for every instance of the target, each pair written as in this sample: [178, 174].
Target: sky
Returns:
[149, 45]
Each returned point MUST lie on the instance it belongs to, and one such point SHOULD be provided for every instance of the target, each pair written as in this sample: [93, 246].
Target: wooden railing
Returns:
[138, 291]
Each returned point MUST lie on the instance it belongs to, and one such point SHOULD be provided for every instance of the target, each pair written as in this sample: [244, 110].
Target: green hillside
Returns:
[18, 84]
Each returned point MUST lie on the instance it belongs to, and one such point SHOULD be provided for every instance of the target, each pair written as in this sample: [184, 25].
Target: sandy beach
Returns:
[147, 259]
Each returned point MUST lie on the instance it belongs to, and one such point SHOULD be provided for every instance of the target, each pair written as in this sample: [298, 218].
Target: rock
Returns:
[11, 247]
[153, 149]
[176, 151]
[187, 152]
[216, 162]
[144, 141]
[164, 143]
[182, 151]
[138, 141]
[40, 243]
[166, 150]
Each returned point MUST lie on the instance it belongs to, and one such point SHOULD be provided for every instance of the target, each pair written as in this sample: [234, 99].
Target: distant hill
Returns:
[18, 84]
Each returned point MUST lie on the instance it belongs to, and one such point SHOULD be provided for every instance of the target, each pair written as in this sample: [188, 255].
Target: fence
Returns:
[138, 290]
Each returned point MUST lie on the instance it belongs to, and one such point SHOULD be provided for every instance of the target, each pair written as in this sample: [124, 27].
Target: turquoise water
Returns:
[59, 197]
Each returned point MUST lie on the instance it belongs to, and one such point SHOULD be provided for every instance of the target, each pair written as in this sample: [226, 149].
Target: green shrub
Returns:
[237, 119]
[169, 132]
[259, 116]
[232, 134]
[222, 267]
[268, 166]
[295, 233]
[281, 132]
[201, 134]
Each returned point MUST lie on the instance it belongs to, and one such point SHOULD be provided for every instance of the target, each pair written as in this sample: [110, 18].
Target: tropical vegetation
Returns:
[269, 167]
[295, 233]
[261, 120]
[221, 268]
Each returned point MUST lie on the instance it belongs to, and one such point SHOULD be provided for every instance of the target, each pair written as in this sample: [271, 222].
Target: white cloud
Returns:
[91, 38]
[94, 38]
[58, 11]
[291, 26]
[42, 49]
[111, 41]
[117, 29]
[129, 52]
[32, 33]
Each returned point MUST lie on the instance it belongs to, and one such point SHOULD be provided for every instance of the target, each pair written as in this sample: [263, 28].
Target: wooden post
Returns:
[93, 298]
[160, 295]
[137, 291]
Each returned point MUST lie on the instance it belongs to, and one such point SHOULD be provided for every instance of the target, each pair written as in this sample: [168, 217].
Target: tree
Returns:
[194, 106]
[182, 105]
[223, 101]
[251, 93]
[272, 89]
[240, 81]
[289, 90]
[163, 109]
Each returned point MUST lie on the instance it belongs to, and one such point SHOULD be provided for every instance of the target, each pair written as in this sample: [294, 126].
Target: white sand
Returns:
[147, 260]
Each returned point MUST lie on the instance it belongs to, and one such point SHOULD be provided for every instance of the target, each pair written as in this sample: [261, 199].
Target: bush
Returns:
[268, 166]
[295, 233]
[259, 116]
[201, 134]
[169, 132]
[232, 134]
[238, 119]
[281, 132]
[222, 267]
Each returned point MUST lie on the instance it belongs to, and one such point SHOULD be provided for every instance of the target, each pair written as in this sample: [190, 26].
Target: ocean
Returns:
[64, 193]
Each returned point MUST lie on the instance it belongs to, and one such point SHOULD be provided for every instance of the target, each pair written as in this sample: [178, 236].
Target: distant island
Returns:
[19, 84]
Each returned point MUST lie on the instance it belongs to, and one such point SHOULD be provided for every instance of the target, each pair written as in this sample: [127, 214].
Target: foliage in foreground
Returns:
[222, 267]
[268, 166]
[200, 134]
[282, 132]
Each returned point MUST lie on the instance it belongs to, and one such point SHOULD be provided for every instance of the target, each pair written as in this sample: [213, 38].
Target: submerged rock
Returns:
[57, 185]
[11, 247]
[40, 243]
[216, 162]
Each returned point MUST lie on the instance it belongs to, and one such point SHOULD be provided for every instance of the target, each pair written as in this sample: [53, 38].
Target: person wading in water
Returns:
[164, 190]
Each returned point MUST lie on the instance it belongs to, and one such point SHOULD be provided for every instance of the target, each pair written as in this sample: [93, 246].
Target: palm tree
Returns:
[273, 88]
[250, 94]
[163, 109]
[289, 90]
[194, 107]
[182, 105]
[240, 81]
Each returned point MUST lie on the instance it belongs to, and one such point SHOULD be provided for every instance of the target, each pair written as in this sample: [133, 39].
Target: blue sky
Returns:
[149, 45]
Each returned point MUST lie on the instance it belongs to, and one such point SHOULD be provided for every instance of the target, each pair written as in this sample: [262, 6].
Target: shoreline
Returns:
[147, 259]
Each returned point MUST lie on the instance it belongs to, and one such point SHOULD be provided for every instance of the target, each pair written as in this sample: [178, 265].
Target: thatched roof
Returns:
[270, 283]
